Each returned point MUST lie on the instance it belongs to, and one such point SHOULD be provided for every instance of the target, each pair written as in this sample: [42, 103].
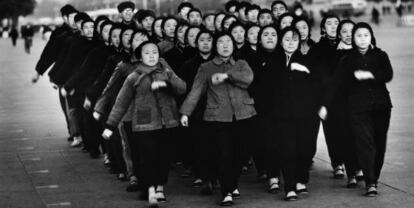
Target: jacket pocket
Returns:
[144, 116]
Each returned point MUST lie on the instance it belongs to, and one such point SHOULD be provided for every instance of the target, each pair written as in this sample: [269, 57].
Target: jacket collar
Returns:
[218, 61]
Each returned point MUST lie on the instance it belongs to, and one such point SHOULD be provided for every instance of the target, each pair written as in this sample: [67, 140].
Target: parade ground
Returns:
[39, 169]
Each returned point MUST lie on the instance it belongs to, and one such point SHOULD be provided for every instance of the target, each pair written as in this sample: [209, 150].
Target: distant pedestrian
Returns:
[27, 34]
[375, 16]
[14, 34]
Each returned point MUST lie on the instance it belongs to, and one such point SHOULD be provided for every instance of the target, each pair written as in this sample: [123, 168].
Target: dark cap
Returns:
[67, 9]
[144, 14]
[81, 16]
[125, 5]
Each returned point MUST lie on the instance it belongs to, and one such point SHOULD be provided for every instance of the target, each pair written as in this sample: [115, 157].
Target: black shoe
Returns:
[70, 139]
[371, 191]
[262, 178]
[133, 186]
[207, 189]
[187, 173]
[227, 201]
[94, 155]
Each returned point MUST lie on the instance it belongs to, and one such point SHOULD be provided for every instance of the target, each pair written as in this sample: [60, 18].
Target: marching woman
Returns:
[338, 111]
[228, 109]
[157, 35]
[176, 56]
[323, 54]
[198, 145]
[265, 145]
[365, 72]
[295, 100]
[151, 89]
[168, 32]
[306, 43]
[238, 32]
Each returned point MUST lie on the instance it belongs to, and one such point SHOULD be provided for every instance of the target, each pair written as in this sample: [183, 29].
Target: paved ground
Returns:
[38, 169]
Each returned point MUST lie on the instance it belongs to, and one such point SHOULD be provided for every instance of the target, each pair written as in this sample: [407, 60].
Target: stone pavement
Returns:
[38, 169]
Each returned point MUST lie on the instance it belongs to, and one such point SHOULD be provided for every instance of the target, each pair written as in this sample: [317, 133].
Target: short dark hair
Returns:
[164, 21]
[203, 31]
[194, 10]
[304, 19]
[231, 4]
[279, 2]
[139, 31]
[180, 24]
[138, 51]
[252, 7]
[243, 4]
[226, 18]
[341, 24]
[153, 24]
[188, 31]
[283, 16]
[184, 4]
[115, 26]
[289, 29]
[218, 36]
[329, 16]
[365, 25]
[140, 16]
[259, 35]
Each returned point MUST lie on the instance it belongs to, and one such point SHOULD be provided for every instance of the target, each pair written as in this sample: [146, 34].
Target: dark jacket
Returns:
[90, 69]
[295, 94]
[175, 57]
[188, 72]
[94, 91]
[165, 46]
[364, 95]
[52, 49]
[75, 56]
[152, 110]
[226, 100]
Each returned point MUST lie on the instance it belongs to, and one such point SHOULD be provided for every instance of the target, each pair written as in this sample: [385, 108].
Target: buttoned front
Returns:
[226, 100]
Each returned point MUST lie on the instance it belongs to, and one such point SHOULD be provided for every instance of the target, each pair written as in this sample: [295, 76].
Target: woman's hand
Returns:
[184, 120]
[96, 115]
[219, 78]
[35, 78]
[87, 104]
[107, 134]
[363, 75]
[158, 84]
[323, 113]
[299, 67]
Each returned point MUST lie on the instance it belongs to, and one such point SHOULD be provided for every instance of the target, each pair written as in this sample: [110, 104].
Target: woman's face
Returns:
[194, 18]
[126, 37]
[278, 9]
[252, 15]
[209, 22]
[238, 34]
[105, 32]
[192, 34]
[345, 34]
[362, 38]
[150, 54]
[286, 22]
[205, 43]
[115, 40]
[290, 42]
[138, 39]
[225, 46]
[147, 23]
[218, 20]
[157, 28]
[88, 29]
[265, 19]
[169, 27]
[252, 35]
[303, 28]
[269, 38]
[331, 26]
[184, 11]
[181, 33]
[228, 22]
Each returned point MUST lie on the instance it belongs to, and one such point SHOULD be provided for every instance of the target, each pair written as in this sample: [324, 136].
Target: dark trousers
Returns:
[92, 133]
[75, 113]
[62, 101]
[231, 143]
[273, 157]
[205, 166]
[297, 145]
[370, 130]
[114, 150]
[258, 137]
[154, 147]
[134, 148]
[14, 40]
[28, 42]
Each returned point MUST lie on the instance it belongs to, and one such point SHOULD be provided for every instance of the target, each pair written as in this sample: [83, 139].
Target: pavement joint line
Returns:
[21, 139]
[38, 171]
[25, 148]
[16, 131]
[31, 159]
[59, 204]
[53, 186]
